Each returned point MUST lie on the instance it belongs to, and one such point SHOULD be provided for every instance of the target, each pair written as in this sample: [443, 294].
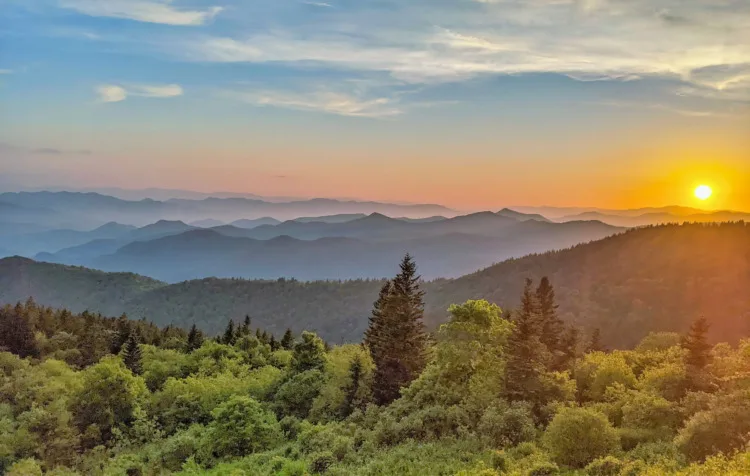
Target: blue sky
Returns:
[344, 97]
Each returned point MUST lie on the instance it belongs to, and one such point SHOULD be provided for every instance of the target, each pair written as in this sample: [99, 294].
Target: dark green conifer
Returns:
[194, 339]
[551, 326]
[352, 389]
[229, 336]
[131, 353]
[287, 341]
[396, 337]
[697, 346]
[595, 344]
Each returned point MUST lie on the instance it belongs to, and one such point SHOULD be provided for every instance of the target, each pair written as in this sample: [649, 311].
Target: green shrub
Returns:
[607, 466]
[320, 462]
[577, 436]
[544, 469]
[499, 461]
[241, 426]
[507, 426]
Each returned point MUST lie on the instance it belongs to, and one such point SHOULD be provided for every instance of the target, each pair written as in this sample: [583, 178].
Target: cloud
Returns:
[319, 4]
[111, 93]
[423, 43]
[6, 71]
[669, 108]
[54, 151]
[149, 11]
[332, 102]
[117, 93]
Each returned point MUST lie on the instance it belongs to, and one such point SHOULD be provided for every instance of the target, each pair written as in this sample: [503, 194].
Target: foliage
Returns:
[577, 436]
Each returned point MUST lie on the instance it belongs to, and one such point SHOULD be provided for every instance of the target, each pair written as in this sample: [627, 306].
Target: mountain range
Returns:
[648, 279]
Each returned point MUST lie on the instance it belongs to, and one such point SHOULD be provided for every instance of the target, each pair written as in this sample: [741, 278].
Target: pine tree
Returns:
[274, 343]
[122, 332]
[595, 344]
[229, 336]
[352, 389]
[551, 325]
[16, 333]
[264, 338]
[569, 349]
[528, 357]
[396, 337]
[194, 339]
[245, 328]
[131, 353]
[287, 341]
[697, 346]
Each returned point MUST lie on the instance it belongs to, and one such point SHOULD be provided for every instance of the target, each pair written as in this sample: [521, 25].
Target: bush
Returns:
[290, 426]
[607, 466]
[320, 462]
[577, 436]
[544, 469]
[242, 426]
[499, 461]
[508, 426]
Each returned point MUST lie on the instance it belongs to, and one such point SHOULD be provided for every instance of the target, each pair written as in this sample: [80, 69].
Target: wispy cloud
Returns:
[319, 4]
[340, 103]
[6, 71]
[117, 93]
[668, 108]
[149, 11]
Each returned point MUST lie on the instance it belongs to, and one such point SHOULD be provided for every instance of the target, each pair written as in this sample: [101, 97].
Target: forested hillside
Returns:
[82, 394]
[657, 278]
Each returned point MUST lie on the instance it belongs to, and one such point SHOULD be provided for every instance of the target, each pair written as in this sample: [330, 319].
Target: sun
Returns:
[703, 192]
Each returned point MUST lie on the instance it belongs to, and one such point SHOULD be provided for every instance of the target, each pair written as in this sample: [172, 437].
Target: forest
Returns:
[489, 392]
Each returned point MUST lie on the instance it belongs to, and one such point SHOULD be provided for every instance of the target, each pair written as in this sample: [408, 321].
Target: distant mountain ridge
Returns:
[648, 279]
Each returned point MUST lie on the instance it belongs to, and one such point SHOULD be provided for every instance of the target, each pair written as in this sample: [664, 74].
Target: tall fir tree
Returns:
[16, 333]
[194, 339]
[229, 336]
[287, 341]
[131, 353]
[569, 349]
[697, 346]
[595, 344]
[396, 337]
[244, 329]
[275, 345]
[528, 356]
[352, 389]
[551, 326]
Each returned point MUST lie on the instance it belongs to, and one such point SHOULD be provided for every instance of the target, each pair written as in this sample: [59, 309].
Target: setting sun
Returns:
[703, 192]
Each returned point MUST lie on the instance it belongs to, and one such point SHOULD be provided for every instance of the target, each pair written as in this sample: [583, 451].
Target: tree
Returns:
[273, 343]
[396, 336]
[16, 333]
[131, 354]
[229, 337]
[551, 326]
[122, 332]
[309, 353]
[351, 392]
[244, 329]
[578, 436]
[528, 355]
[696, 344]
[241, 426]
[287, 342]
[595, 344]
[195, 339]
[568, 348]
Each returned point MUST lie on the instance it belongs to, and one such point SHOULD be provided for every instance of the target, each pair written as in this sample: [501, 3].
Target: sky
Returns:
[474, 104]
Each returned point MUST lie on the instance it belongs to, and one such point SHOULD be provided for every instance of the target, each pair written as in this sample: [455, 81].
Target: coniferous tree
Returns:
[274, 343]
[696, 344]
[287, 341]
[352, 389]
[264, 338]
[16, 333]
[595, 344]
[229, 336]
[551, 326]
[528, 357]
[245, 328]
[131, 353]
[194, 339]
[569, 349]
[121, 334]
[396, 337]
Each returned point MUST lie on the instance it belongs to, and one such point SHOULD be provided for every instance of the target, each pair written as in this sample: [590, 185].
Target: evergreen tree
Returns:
[352, 389]
[274, 343]
[697, 346]
[194, 339]
[264, 338]
[528, 356]
[396, 337]
[309, 353]
[595, 344]
[131, 353]
[229, 335]
[121, 334]
[287, 341]
[569, 349]
[16, 333]
[551, 326]
[245, 328]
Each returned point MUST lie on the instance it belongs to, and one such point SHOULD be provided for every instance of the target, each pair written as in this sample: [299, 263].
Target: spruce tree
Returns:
[569, 349]
[697, 346]
[551, 326]
[229, 337]
[17, 334]
[352, 389]
[274, 343]
[595, 344]
[528, 356]
[121, 334]
[131, 354]
[194, 339]
[264, 337]
[245, 327]
[396, 337]
[287, 341]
